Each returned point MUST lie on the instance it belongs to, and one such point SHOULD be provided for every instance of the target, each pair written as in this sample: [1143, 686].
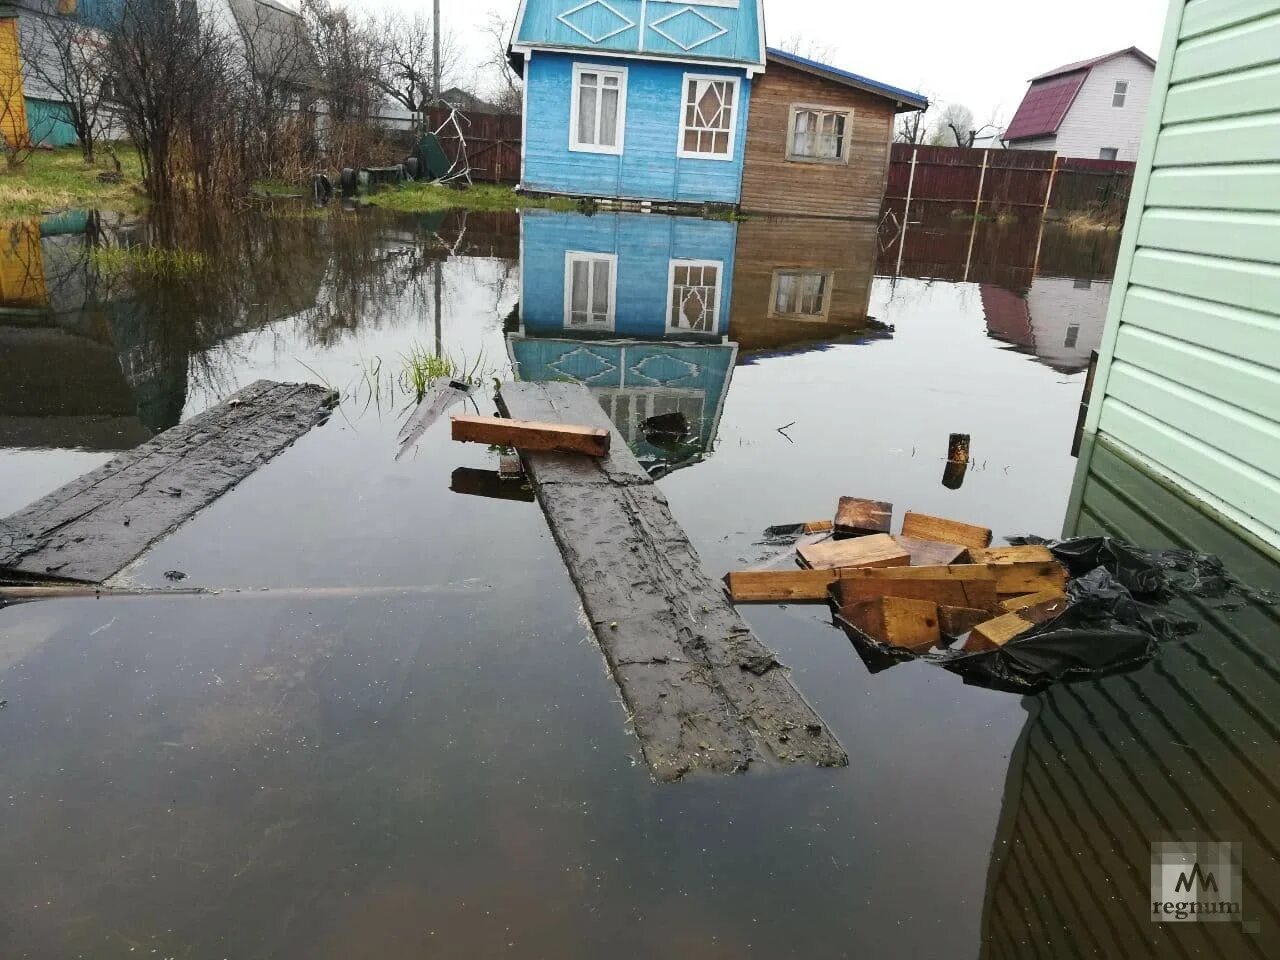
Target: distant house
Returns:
[466, 101]
[637, 100]
[1093, 109]
[818, 139]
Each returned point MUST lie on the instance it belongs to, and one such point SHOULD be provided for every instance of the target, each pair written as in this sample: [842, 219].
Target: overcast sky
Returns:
[978, 52]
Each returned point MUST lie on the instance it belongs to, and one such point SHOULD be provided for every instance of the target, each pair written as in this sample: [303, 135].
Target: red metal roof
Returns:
[1093, 62]
[1045, 105]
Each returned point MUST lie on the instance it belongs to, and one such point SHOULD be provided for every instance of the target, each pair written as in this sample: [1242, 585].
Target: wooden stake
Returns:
[532, 435]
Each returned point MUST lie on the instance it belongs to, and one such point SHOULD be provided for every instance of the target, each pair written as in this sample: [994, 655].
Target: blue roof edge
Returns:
[917, 100]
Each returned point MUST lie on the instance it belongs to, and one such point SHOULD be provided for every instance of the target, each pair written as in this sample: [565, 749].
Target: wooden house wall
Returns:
[846, 249]
[648, 168]
[1189, 375]
[771, 183]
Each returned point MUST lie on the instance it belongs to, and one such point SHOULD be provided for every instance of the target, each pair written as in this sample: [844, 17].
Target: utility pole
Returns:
[435, 53]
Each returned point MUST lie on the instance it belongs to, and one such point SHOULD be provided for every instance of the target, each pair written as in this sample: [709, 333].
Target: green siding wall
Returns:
[1189, 377]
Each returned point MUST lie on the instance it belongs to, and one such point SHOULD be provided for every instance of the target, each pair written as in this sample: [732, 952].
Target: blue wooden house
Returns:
[637, 99]
[636, 307]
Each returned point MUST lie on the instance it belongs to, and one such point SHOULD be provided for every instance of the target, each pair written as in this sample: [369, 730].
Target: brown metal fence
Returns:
[1017, 181]
[493, 143]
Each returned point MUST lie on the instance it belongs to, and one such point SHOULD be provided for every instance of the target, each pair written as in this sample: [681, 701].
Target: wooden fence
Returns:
[492, 143]
[1030, 182]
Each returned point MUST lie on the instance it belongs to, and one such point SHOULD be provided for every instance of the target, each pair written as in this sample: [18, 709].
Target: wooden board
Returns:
[897, 621]
[780, 586]
[875, 551]
[860, 518]
[786, 559]
[921, 526]
[1013, 604]
[96, 525]
[703, 693]
[930, 553]
[952, 591]
[957, 621]
[1000, 630]
[1030, 553]
[960, 571]
[532, 435]
[1024, 578]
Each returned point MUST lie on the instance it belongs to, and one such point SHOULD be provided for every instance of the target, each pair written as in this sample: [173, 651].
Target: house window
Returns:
[1073, 336]
[1108, 153]
[695, 296]
[804, 295]
[1121, 93]
[709, 110]
[590, 290]
[598, 109]
[1084, 284]
[819, 133]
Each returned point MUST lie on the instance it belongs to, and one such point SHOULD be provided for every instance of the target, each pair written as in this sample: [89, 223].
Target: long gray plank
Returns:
[704, 693]
[99, 523]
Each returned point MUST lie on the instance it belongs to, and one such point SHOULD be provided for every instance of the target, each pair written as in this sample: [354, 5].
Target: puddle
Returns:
[360, 771]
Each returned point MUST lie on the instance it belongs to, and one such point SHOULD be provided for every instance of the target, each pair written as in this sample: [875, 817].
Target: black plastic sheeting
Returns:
[1114, 623]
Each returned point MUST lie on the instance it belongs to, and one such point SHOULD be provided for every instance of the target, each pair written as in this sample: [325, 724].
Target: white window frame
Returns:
[1122, 94]
[584, 256]
[671, 295]
[578, 70]
[827, 289]
[797, 108]
[681, 127]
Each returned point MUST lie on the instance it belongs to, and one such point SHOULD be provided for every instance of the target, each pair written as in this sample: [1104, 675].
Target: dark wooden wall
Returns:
[773, 184]
[493, 143]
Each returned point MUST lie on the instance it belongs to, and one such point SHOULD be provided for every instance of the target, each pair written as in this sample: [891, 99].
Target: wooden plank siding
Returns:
[773, 184]
[1190, 366]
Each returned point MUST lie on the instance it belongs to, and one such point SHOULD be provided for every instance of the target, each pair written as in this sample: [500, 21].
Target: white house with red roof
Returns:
[1093, 109]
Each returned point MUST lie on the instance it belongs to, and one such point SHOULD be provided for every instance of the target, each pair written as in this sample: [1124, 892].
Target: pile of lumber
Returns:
[935, 582]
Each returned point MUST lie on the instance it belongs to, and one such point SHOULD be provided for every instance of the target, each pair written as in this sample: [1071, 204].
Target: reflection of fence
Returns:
[493, 143]
[1027, 181]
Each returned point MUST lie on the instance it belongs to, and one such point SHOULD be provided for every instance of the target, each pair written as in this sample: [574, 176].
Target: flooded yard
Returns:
[392, 734]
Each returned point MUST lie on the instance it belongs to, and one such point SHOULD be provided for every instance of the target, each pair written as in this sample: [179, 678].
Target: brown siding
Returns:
[772, 183]
[846, 249]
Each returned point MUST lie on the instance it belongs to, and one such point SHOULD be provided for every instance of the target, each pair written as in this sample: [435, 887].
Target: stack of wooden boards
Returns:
[936, 578]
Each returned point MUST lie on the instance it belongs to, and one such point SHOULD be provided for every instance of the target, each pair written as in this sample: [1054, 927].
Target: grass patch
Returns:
[146, 261]
[1088, 223]
[432, 198]
[55, 180]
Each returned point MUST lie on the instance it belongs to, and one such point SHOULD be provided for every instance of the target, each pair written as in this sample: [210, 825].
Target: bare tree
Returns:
[955, 127]
[66, 58]
[347, 57]
[912, 127]
[807, 48]
[497, 32]
[405, 59]
[173, 88]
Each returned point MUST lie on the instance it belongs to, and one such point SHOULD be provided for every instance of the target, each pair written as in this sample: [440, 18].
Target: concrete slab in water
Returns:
[704, 693]
[96, 525]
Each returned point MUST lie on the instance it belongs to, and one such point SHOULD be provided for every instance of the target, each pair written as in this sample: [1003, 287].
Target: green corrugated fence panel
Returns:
[1204, 16]
[1232, 95]
[1236, 332]
[1253, 286]
[1238, 140]
[1243, 236]
[1252, 187]
[1246, 45]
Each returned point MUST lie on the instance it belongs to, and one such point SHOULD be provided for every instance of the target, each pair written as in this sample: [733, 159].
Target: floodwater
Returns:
[409, 746]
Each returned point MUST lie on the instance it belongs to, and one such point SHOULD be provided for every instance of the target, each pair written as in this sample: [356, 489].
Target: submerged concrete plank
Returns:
[704, 693]
[96, 525]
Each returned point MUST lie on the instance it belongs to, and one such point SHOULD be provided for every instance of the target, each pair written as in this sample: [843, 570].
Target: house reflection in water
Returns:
[1187, 748]
[636, 307]
[801, 282]
[1059, 320]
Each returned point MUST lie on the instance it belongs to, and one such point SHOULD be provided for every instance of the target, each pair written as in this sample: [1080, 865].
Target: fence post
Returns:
[906, 211]
[973, 233]
[1044, 213]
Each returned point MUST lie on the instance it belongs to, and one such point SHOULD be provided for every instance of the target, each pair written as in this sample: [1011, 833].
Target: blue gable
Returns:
[643, 249]
[715, 30]
[649, 166]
